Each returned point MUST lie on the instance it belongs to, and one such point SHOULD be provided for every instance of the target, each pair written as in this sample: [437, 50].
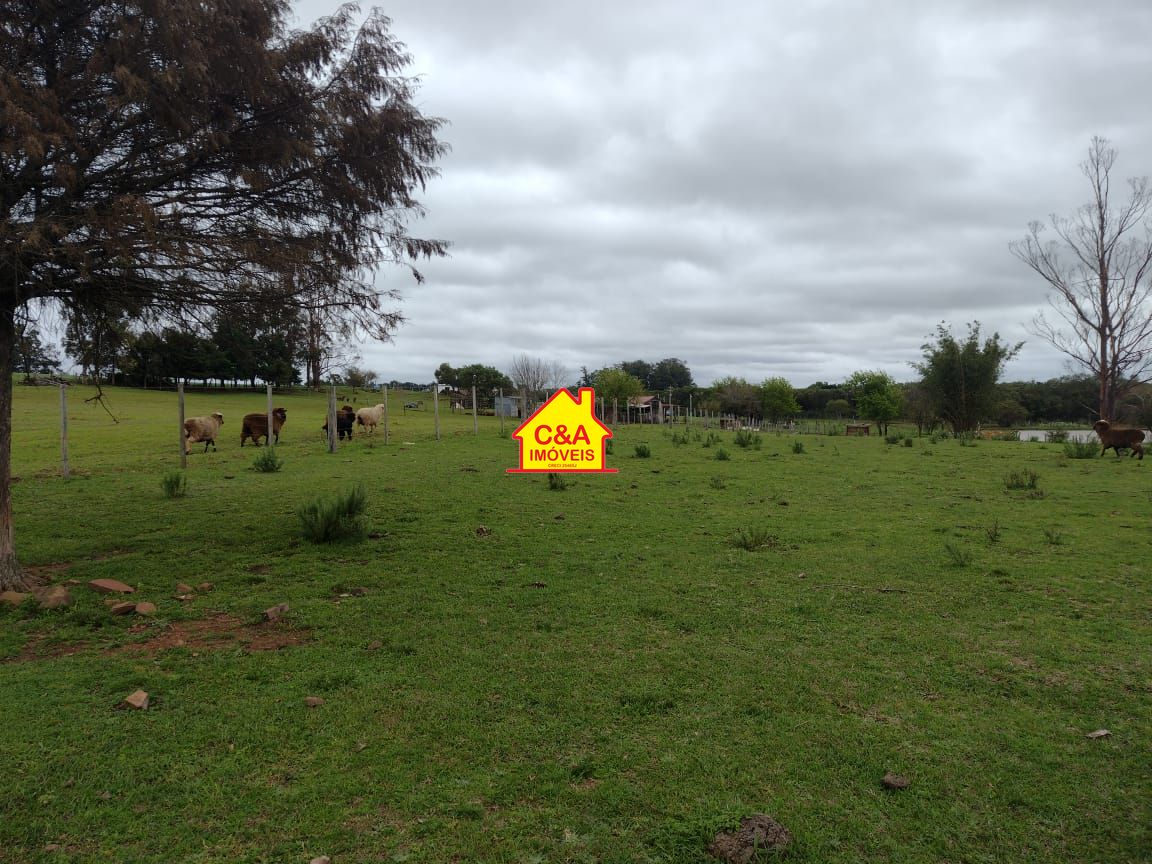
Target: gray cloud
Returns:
[758, 189]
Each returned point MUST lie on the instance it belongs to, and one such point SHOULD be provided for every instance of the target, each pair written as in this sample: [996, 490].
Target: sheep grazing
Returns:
[344, 420]
[1119, 439]
[256, 426]
[370, 418]
[197, 429]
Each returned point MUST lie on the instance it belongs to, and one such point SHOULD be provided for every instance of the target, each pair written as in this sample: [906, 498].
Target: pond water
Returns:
[1042, 435]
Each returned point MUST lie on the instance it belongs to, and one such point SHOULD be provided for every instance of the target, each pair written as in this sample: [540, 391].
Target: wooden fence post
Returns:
[268, 439]
[332, 419]
[475, 422]
[436, 408]
[501, 412]
[64, 430]
[384, 387]
[183, 447]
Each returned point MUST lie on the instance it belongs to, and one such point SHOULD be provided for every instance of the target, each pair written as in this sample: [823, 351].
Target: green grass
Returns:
[596, 676]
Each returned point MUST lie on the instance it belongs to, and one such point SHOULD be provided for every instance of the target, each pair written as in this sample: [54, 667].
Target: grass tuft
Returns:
[174, 484]
[755, 539]
[268, 462]
[342, 517]
[643, 451]
[1024, 479]
[1080, 449]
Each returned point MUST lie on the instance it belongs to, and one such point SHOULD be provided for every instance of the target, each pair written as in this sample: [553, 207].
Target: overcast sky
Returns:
[757, 188]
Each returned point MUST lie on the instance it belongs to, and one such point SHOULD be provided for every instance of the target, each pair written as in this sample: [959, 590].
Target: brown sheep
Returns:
[197, 429]
[1119, 439]
[256, 426]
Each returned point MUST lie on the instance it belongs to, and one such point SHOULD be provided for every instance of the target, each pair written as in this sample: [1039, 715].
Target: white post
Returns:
[384, 387]
[64, 430]
[268, 440]
[183, 446]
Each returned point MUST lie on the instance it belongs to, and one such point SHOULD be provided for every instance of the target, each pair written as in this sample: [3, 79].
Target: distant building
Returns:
[508, 406]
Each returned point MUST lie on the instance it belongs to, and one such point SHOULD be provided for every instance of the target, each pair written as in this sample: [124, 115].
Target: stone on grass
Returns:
[756, 834]
[53, 597]
[274, 612]
[1099, 733]
[137, 701]
[110, 586]
[322, 859]
[896, 781]
[123, 608]
[205, 586]
[146, 608]
[313, 701]
[181, 588]
[13, 598]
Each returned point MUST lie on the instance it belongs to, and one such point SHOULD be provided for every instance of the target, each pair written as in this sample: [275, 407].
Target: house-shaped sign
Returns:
[563, 434]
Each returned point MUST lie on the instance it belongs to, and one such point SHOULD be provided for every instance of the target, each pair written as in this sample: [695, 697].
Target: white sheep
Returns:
[370, 418]
[197, 429]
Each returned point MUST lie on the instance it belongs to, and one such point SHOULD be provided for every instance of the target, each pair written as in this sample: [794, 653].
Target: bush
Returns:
[892, 439]
[174, 484]
[908, 442]
[797, 446]
[719, 483]
[960, 556]
[342, 517]
[1056, 436]
[712, 438]
[268, 462]
[1080, 449]
[643, 451]
[722, 454]
[557, 482]
[1026, 479]
[754, 539]
[746, 438]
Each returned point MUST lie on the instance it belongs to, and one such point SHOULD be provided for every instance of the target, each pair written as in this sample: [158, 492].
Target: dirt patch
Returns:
[757, 837]
[42, 574]
[219, 631]
[216, 632]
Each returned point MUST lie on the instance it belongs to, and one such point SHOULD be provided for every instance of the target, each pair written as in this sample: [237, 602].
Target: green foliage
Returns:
[341, 517]
[797, 446]
[746, 438]
[1081, 449]
[993, 532]
[778, 400]
[643, 451]
[718, 483]
[267, 462]
[961, 376]
[174, 484]
[712, 438]
[837, 409]
[908, 442]
[1057, 436]
[616, 384]
[755, 539]
[1023, 479]
[1054, 536]
[878, 397]
[733, 395]
[557, 482]
[958, 555]
[722, 455]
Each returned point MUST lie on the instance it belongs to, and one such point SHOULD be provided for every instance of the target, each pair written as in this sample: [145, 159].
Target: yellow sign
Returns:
[563, 434]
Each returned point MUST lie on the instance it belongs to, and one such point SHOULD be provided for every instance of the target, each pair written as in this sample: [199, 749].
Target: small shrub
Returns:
[722, 454]
[1026, 479]
[1036, 494]
[1080, 449]
[908, 442]
[268, 462]
[327, 519]
[1054, 537]
[754, 539]
[643, 451]
[679, 440]
[557, 482]
[892, 439]
[608, 447]
[960, 556]
[993, 532]
[174, 484]
[797, 446]
[718, 483]
[712, 438]
[1056, 436]
[746, 438]
[835, 430]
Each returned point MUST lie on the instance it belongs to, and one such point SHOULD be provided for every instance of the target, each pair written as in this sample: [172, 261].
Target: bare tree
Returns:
[167, 159]
[557, 376]
[1099, 273]
[530, 375]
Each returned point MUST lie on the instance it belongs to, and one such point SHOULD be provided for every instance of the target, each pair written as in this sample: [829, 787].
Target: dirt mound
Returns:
[756, 838]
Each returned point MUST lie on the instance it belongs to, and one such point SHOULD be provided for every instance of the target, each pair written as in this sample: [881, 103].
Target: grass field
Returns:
[599, 673]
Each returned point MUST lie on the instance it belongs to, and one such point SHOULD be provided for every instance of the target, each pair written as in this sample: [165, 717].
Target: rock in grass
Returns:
[110, 586]
[313, 701]
[205, 587]
[756, 834]
[895, 781]
[322, 859]
[13, 598]
[53, 597]
[181, 588]
[272, 613]
[1099, 733]
[122, 608]
[146, 608]
[137, 701]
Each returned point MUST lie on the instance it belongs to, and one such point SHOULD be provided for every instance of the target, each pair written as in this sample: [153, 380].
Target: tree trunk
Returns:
[12, 577]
